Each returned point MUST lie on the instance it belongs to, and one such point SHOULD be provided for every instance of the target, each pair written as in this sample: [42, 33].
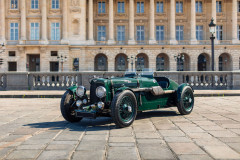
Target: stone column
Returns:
[234, 22]
[152, 39]
[44, 39]
[2, 21]
[172, 62]
[83, 22]
[23, 22]
[111, 23]
[90, 23]
[193, 39]
[172, 23]
[131, 39]
[65, 23]
[214, 13]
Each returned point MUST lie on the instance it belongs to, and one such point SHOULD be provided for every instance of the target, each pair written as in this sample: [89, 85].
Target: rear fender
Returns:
[137, 95]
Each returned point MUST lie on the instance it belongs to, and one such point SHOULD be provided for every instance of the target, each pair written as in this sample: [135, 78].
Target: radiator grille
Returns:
[93, 96]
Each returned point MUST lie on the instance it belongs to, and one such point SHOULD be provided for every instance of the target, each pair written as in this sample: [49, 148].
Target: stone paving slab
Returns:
[34, 129]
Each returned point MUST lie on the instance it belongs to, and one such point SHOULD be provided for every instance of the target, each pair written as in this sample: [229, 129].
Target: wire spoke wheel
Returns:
[186, 102]
[126, 109]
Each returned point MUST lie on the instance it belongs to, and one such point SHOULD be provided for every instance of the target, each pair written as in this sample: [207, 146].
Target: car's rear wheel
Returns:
[124, 108]
[186, 101]
[67, 109]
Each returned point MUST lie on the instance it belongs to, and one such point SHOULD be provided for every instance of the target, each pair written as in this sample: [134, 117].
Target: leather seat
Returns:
[163, 84]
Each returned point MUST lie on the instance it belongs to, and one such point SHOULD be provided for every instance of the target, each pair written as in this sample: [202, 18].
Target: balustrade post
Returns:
[4, 81]
[230, 81]
[30, 81]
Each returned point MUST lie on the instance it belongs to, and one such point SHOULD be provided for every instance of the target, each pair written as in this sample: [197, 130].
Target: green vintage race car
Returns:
[122, 98]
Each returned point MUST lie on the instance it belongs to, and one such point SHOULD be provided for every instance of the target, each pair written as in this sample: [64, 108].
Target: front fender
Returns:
[137, 94]
[72, 89]
[122, 89]
[179, 90]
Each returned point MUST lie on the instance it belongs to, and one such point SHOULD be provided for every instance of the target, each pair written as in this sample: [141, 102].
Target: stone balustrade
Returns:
[62, 80]
[2, 81]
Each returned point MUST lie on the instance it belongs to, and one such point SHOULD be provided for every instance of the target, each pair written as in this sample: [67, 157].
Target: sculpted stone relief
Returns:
[75, 3]
[75, 6]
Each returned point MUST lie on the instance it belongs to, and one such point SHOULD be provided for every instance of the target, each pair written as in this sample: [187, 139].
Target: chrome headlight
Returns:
[79, 103]
[101, 92]
[85, 101]
[80, 91]
[100, 105]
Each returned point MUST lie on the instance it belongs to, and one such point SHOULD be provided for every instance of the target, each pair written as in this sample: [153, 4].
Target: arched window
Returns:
[101, 63]
[202, 63]
[183, 62]
[224, 62]
[121, 62]
[162, 62]
[180, 65]
[142, 62]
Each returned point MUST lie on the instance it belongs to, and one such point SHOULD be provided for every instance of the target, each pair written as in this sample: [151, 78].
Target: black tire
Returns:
[65, 106]
[186, 102]
[121, 115]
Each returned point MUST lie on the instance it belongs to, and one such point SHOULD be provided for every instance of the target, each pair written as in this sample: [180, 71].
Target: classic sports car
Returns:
[122, 98]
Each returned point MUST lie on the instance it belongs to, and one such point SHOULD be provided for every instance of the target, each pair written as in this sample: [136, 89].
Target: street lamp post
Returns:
[140, 61]
[160, 63]
[62, 59]
[132, 59]
[178, 58]
[2, 49]
[212, 29]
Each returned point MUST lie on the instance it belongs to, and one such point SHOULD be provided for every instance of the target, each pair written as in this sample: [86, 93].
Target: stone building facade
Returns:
[113, 35]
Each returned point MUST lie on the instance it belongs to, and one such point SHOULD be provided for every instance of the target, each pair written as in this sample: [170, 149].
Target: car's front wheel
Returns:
[67, 108]
[124, 108]
[186, 102]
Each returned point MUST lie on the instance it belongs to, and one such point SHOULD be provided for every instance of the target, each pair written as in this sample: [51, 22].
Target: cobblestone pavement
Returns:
[35, 129]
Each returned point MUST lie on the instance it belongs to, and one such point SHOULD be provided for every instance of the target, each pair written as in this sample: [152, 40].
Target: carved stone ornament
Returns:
[16, 11]
[75, 6]
[21, 49]
[75, 9]
[34, 11]
[75, 3]
[55, 11]
[43, 49]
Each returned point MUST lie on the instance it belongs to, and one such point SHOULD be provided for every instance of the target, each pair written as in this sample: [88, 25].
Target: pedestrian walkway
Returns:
[58, 94]
[35, 129]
